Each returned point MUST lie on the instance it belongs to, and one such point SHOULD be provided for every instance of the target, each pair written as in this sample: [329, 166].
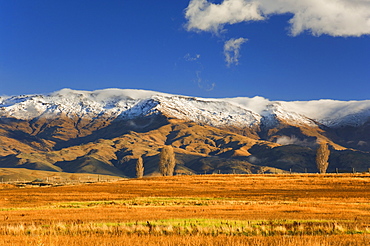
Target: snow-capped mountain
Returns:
[237, 112]
[105, 131]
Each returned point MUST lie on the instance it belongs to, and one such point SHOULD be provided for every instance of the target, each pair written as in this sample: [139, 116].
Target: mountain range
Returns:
[106, 131]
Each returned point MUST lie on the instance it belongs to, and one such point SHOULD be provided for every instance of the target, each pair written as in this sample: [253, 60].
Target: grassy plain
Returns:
[192, 210]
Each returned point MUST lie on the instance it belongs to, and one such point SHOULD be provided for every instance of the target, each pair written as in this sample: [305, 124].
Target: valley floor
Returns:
[191, 210]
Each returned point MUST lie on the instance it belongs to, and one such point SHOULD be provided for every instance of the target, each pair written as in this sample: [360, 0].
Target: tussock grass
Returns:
[195, 227]
[179, 240]
[192, 210]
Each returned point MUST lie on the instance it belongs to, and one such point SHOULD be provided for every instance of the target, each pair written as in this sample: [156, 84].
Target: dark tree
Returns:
[167, 161]
[139, 167]
[322, 157]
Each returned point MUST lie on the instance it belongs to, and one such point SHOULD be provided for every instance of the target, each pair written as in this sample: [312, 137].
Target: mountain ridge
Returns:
[118, 101]
[105, 131]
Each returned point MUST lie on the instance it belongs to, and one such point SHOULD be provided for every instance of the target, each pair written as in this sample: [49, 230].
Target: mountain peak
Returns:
[108, 94]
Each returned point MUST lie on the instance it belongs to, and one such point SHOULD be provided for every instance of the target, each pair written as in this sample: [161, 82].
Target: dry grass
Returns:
[133, 240]
[194, 227]
[192, 210]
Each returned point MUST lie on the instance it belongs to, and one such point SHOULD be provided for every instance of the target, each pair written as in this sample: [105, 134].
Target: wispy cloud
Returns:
[232, 50]
[331, 17]
[189, 57]
[204, 84]
[201, 83]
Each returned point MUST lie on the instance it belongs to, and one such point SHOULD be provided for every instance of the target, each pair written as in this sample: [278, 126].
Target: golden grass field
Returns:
[192, 210]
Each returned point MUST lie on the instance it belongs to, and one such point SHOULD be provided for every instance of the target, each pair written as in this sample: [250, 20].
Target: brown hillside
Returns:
[112, 146]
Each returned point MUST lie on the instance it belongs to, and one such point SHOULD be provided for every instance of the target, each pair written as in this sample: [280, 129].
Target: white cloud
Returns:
[256, 104]
[285, 140]
[232, 50]
[332, 17]
[205, 16]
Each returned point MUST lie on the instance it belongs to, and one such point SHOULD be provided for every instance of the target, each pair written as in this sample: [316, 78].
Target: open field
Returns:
[192, 210]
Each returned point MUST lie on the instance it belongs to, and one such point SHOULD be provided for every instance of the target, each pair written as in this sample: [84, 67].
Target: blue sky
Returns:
[180, 47]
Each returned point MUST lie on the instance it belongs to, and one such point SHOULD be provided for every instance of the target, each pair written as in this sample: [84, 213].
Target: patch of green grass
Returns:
[8, 209]
[142, 201]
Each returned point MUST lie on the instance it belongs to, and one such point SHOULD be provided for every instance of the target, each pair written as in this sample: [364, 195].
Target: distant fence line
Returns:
[57, 181]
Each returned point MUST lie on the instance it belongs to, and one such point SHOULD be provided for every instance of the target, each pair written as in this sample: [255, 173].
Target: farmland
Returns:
[294, 209]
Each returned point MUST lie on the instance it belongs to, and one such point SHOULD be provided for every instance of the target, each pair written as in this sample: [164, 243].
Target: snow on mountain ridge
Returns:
[128, 103]
[111, 102]
[275, 112]
[240, 111]
[109, 94]
[211, 112]
[332, 113]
